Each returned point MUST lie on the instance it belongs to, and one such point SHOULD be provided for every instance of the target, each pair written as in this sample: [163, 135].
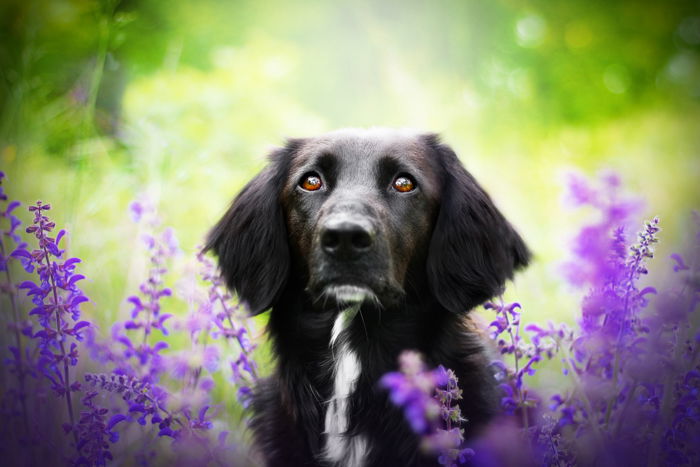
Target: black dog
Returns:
[364, 243]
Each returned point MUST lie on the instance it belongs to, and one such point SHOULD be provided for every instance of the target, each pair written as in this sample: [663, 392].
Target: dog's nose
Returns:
[346, 239]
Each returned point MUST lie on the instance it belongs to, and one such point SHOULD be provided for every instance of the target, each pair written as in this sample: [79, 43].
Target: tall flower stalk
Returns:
[17, 324]
[167, 392]
[135, 334]
[636, 353]
[526, 352]
[57, 300]
[226, 318]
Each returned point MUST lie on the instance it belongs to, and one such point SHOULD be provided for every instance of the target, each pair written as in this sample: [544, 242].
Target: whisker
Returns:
[364, 326]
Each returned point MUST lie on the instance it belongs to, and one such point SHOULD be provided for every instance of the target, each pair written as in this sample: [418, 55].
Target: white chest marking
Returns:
[340, 448]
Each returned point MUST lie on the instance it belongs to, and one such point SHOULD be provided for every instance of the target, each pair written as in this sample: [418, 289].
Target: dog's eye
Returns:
[404, 184]
[311, 182]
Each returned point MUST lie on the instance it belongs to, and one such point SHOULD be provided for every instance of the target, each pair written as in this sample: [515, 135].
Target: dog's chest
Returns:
[341, 448]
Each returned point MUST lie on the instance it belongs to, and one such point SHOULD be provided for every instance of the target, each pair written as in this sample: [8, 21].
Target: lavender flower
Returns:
[227, 319]
[140, 365]
[146, 313]
[544, 342]
[10, 231]
[427, 398]
[57, 301]
[53, 349]
[610, 321]
[144, 400]
[190, 433]
[94, 432]
[632, 365]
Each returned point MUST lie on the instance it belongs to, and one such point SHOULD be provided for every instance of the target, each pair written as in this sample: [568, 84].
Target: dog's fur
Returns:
[398, 270]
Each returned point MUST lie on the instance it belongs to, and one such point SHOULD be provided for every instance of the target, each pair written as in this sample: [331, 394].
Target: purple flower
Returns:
[139, 364]
[544, 342]
[628, 360]
[428, 400]
[49, 346]
[138, 357]
[57, 299]
[411, 388]
[94, 432]
[229, 323]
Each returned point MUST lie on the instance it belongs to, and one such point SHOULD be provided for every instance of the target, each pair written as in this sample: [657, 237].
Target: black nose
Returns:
[346, 239]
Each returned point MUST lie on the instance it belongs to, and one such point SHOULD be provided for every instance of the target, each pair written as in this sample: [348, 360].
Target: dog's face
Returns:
[359, 207]
[366, 215]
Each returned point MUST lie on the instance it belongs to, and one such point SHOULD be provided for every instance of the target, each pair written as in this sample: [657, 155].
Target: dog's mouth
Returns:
[348, 294]
[343, 293]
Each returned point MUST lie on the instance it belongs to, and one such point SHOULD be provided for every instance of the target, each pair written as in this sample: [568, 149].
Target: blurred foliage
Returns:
[104, 100]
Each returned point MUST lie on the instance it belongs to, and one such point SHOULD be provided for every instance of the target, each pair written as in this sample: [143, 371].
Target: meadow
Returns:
[138, 123]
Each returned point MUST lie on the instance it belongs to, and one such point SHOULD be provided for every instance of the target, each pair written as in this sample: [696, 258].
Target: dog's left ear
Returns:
[251, 238]
[474, 249]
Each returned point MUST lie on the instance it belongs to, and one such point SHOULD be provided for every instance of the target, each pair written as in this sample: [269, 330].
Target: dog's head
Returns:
[366, 215]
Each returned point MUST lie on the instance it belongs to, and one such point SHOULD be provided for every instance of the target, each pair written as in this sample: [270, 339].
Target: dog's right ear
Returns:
[474, 249]
[250, 240]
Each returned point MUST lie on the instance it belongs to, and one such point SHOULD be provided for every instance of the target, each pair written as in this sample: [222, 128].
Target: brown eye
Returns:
[404, 184]
[311, 182]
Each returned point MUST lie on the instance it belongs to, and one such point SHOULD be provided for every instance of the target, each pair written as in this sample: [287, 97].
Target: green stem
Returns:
[623, 411]
[233, 327]
[616, 365]
[584, 397]
[521, 400]
[198, 371]
[20, 351]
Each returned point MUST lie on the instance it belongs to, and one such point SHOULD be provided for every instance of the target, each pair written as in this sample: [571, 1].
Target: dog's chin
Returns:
[349, 295]
[341, 291]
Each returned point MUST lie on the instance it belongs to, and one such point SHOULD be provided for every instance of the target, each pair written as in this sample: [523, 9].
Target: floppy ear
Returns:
[251, 238]
[474, 249]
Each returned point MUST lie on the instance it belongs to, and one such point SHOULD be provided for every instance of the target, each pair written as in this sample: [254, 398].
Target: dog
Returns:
[363, 243]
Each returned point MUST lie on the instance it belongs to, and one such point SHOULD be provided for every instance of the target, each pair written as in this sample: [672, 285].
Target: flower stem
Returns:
[516, 356]
[18, 339]
[233, 327]
[59, 330]
[584, 397]
[625, 311]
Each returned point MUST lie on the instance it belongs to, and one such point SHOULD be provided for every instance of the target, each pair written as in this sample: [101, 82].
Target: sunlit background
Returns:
[179, 101]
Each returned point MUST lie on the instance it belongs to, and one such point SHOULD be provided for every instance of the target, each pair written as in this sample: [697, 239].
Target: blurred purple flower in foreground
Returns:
[633, 363]
[427, 398]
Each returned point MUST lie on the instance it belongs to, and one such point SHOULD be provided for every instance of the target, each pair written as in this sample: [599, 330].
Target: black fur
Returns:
[251, 239]
[474, 249]
[445, 246]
